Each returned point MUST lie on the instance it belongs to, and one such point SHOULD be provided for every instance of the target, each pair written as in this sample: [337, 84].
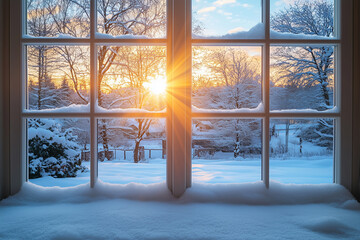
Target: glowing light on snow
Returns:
[157, 85]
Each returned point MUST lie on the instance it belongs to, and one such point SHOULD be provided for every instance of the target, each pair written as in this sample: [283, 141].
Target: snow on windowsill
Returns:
[258, 109]
[97, 35]
[99, 109]
[59, 36]
[76, 108]
[73, 108]
[128, 36]
[237, 193]
[258, 32]
[332, 110]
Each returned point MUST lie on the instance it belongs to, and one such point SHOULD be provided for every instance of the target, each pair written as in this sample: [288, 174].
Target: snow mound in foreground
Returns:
[329, 225]
[242, 193]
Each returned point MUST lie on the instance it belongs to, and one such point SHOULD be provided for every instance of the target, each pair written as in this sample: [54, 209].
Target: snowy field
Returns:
[306, 170]
[205, 211]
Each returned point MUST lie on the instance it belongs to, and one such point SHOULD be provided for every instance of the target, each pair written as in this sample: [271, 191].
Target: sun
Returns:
[157, 85]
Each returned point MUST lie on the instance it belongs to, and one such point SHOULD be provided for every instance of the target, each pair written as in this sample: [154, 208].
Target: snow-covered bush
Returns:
[52, 152]
[320, 133]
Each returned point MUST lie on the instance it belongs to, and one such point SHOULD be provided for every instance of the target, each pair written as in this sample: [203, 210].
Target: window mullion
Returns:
[179, 109]
[93, 121]
[266, 96]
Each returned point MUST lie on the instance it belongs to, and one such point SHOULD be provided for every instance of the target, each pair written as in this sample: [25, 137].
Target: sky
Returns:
[220, 17]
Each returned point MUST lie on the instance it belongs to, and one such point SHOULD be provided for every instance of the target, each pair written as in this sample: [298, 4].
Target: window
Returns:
[92, 47]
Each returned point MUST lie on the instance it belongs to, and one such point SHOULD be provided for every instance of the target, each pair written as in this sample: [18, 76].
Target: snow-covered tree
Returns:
[129, 17]
[308, 66]
[52, 150]
[50, 18]
[73, 62]
[321, 133]
[43, 93]
[233, 81]
[230, 79]
[133, 68]
[219, 135]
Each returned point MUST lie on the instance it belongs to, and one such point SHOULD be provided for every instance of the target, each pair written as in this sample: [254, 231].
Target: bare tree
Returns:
[123, 18]
[116, 18]
[236, 84]
[310, 65]
[134, 67]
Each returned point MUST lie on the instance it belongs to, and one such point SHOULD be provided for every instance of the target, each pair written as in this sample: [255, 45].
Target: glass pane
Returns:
[58, 78]
[131, 18]
[132, 150]
[302, 77]
[58, 151]
[302, 19]
[226, 77]
[131, 77]
[228, 19]
[58, 18]
[301, 151]
[226, 151]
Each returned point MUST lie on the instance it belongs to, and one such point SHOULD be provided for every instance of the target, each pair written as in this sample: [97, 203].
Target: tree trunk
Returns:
[136, 151]
[237, 147]
[237, 140]
[40, 77]
[102, 127]
[287, 136]
[104, 136]
[325, 91]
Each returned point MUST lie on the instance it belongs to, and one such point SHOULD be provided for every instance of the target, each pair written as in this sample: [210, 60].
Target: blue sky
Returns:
[220, 17]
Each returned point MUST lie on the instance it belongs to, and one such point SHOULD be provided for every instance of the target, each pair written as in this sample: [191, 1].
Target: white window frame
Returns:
[179, 115]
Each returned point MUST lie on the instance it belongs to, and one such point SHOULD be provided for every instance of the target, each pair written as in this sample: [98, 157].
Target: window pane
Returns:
[229, 19]
[226, 77]
[301, 151]
[131, 18]
[58, 78]
[132, 150]
[302, 77]
[58, 18]
[226, 151]
[58, 151]
[132, 77]
[302, 19]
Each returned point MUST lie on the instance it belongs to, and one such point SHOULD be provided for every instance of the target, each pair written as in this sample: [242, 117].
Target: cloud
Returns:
[235, 30]
[223, 2]
[245, 5]
[286, 2]
[224, 13]
[207, 9]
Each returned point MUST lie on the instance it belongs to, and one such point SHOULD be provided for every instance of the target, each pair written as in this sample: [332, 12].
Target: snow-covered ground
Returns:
[227, 200]
[205, 211]
[305, 170]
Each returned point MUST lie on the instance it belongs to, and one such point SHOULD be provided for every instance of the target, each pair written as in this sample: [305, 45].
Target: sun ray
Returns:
[157, 85]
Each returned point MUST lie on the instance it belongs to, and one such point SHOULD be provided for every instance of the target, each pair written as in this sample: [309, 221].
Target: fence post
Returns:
[163, 149]
[149, 153]
[141, 153]
[124, 154]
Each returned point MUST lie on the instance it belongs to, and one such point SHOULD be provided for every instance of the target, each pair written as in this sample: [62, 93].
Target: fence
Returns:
[118, 153]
